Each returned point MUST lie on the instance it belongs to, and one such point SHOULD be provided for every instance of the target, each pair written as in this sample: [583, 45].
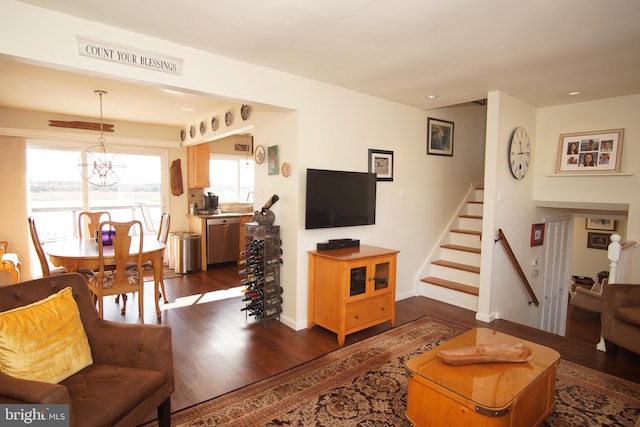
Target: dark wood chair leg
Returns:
[164, 413]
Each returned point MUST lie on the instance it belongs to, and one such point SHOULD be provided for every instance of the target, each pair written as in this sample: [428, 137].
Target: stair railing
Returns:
[523, 278]
[619, 267]
[619, 259]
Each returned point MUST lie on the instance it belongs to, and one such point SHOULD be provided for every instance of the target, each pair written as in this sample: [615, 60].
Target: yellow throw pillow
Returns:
[44, 341]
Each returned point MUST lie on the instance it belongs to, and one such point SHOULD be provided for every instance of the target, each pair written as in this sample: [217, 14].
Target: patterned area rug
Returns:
[364, 384]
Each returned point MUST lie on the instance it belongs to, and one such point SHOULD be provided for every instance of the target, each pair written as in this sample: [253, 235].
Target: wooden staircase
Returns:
[454, 273]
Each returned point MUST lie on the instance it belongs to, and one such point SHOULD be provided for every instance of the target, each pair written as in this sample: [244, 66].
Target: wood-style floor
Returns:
[217, 350]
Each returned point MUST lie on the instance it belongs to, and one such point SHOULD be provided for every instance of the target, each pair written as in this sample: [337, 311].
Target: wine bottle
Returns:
[270, 203]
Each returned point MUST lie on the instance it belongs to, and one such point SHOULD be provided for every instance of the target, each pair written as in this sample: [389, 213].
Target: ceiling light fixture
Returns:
[431, 96]
[574, 93]
[99, 164]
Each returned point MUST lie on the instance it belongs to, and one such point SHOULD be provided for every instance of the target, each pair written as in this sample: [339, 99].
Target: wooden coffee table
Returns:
[481, 394]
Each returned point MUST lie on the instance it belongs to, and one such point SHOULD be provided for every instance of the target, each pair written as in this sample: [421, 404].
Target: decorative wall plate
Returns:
[286, 169]
[183, 135]
[244, 111]
[192, 131]
[214, 123]
[259, 154]
[203, 127]
[228, 118]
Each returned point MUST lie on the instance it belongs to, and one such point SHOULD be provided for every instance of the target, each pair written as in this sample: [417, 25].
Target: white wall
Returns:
[14, 227]
[612, 113]
[507, 206]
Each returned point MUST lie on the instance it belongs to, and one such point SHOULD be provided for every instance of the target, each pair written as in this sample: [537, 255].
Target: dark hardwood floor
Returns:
[217, 349]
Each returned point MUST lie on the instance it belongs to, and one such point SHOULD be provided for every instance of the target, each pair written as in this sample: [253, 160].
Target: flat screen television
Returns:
[339, 198]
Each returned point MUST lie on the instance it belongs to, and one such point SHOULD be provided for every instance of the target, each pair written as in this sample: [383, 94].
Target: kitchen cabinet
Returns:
[198, 166]
[351, 289]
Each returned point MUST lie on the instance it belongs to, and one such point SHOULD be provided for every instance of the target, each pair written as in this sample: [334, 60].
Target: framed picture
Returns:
[598, 240]
[537, 234]
[439, 137]
[245, 148]
[273, 160]
[590, 152]
[600, 224]
[381, 162]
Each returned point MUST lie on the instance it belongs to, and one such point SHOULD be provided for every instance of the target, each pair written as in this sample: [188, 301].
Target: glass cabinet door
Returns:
[358, 281]
[381, 278]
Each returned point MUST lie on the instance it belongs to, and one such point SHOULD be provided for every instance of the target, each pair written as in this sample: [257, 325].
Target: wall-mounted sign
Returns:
[128, 55]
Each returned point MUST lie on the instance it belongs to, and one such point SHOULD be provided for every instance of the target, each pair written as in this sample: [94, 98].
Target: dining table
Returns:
[74, 253]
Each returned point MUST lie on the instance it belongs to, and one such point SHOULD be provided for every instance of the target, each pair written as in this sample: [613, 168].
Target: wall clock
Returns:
[519, 153]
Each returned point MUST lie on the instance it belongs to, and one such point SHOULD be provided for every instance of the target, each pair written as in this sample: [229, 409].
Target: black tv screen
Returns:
[340, 198]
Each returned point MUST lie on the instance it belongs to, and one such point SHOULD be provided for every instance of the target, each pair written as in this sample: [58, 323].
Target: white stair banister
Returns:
[615, 248]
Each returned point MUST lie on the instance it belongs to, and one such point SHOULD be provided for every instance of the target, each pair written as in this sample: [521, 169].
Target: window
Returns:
[57, 191]
[231, 178]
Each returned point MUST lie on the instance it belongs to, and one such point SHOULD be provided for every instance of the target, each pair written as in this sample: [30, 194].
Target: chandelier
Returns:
[100, 164]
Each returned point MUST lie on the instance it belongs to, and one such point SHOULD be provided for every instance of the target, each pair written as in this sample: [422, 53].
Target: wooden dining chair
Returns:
[146, 217]
[163, 235]
[47, 269]
[121, 280]
[9, 262]
[93, 222]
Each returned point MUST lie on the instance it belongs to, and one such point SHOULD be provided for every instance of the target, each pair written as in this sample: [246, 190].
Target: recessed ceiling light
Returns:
[189, 109]
[574, 93]
[431, 96]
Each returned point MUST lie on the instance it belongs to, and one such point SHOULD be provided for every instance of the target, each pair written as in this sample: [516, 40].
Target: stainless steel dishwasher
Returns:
[223, 235]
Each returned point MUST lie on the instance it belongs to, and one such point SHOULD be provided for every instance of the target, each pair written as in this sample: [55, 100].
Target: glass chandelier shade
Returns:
[100, 164]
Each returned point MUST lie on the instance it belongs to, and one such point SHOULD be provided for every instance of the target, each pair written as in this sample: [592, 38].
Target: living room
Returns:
[323, 126]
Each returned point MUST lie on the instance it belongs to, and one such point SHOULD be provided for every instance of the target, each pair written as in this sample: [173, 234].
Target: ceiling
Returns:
[534, 50]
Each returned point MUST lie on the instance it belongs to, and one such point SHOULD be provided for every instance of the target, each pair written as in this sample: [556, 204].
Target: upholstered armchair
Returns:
[589, 298]
[120, 373]
[621, 317]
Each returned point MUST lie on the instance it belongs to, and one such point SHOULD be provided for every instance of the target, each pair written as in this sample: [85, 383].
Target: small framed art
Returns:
[598, 240]
[439, 137]
[381, 162]
[600, 224]
[537, 234]
[273, 160]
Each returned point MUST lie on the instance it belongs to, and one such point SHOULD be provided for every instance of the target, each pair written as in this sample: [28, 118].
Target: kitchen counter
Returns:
[198, 224]
[222, 215]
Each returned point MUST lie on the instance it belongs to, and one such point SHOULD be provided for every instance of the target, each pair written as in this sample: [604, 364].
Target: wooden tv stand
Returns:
[351, 289]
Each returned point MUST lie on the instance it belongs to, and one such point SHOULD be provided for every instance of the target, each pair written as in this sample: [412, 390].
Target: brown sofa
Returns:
[132, 371]
[621, 317]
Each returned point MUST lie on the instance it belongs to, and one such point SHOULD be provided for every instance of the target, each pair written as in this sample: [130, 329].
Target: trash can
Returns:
[186, 251]
[168, 250]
